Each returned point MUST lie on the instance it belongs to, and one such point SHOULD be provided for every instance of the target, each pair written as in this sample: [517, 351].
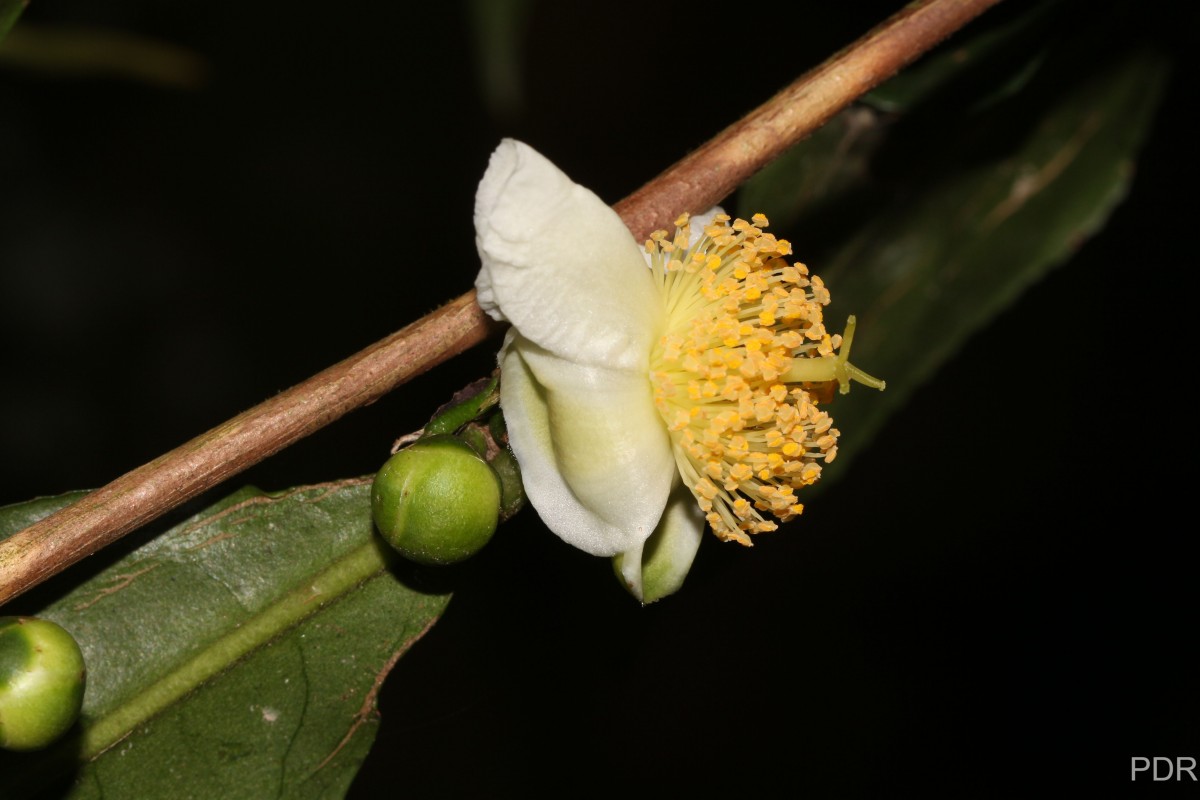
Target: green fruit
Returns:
[42, 677]
[436, 502]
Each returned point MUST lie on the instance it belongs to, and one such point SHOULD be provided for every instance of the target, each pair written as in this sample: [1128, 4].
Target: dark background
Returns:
[996, 597]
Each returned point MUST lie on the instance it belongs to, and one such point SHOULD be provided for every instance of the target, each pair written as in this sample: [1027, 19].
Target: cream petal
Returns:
[658, 567]
[701, 221]
[560, 265]
[595, 457]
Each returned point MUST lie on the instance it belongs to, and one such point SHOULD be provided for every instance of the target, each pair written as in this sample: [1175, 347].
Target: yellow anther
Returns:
[744, 340]
[735, 536]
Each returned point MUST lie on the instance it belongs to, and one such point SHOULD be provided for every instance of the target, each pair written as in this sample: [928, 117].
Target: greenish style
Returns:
[436, 501]
[239, 653]
[42, 678]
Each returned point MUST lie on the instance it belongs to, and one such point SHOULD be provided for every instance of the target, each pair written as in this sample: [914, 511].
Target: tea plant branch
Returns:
[698, 181]
[715, 169]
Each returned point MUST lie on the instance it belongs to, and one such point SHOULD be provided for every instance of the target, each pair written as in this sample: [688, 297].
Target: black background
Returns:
[996, 598]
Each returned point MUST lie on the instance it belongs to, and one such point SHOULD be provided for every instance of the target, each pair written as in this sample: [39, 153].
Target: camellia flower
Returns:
[649, 392]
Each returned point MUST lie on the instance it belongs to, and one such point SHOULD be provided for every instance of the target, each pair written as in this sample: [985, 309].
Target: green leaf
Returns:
[238, 655]
[9, 11]
[935, 74]
[933, 221]
[810, 180]
[102, 53]
[500, 27]
[935, 265]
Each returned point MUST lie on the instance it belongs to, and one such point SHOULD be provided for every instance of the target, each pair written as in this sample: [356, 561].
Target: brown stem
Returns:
[132, 500]
[695, 183]
[715, 169]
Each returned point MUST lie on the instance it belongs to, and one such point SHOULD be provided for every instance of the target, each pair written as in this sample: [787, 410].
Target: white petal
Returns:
[560, 265]
[701, 221]
[657, 568]
[696, 225]
[595, 456]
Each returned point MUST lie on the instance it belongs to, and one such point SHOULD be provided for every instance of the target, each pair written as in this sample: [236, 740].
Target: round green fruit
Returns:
[437, 501]
[42, 677]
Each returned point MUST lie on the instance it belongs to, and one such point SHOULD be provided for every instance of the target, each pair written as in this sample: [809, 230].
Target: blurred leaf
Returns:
[817, 181]
[967, 200]
[238, 655]
[942, 261]
[100, 53]
[9, 11]
[810, 178]
[932, 75]
[499, 27]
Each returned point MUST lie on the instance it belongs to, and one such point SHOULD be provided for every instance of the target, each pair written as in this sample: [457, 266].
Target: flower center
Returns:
[739, 369]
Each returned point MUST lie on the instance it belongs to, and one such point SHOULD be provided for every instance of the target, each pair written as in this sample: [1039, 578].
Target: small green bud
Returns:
[42, 677]
[437, 501]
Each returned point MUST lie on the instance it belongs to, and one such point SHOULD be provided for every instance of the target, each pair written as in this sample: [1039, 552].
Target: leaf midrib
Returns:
[330, 585]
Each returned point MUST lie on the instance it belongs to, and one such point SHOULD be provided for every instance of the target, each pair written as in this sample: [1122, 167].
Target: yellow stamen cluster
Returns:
[744, 343]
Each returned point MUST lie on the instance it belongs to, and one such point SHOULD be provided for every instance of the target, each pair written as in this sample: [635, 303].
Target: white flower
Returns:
[618, 380]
